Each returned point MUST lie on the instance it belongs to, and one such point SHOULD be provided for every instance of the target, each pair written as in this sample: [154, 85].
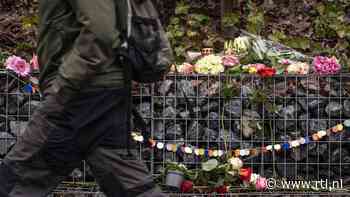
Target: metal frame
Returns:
[208, 111]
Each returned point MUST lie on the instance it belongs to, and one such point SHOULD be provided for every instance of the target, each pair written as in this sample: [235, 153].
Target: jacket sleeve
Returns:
[94, 45]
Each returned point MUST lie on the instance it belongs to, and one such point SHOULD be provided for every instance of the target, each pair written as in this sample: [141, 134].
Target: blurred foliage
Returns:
[310, 26]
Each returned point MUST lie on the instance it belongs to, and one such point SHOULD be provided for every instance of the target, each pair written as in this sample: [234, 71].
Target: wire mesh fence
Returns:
[221, 112]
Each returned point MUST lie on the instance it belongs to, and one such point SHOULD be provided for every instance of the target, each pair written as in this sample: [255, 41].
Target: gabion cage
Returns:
[223, 112]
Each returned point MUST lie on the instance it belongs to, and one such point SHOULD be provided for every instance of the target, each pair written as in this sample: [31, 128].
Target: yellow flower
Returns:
[252, 70]
[339, 127]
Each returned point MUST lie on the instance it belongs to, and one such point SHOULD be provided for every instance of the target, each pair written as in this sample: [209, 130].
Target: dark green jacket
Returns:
[76, 43]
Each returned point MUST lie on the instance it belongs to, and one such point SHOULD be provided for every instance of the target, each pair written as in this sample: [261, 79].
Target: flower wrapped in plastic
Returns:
[325, 65]
[210, 64]
[298, 68]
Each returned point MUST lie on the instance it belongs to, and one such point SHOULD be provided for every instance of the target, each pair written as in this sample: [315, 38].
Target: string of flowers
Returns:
[235, 165]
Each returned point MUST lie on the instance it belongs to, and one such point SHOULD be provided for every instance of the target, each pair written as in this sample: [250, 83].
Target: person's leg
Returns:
[25, 172]
[120, 174]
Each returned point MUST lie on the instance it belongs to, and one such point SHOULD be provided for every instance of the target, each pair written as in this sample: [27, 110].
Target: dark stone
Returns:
[185, 88]
[169, 112]
[233, 109]
[246, 91]
[194, 130]
[18, 127]
[159, 130]
[213, 120]
[346, 110]
[2, 100]
[334, 109]
[338, 155]
[174, 132]
[13, 106]
[210, 135]
[311, 104]
[7, 141]
[308, 125]
[211, 106]
[165, 87]
[298, 154]
[184, 114]
[287, 118]
[319, 150]
[250, 120]
[213, 89]
[145, 111]
[29, 107]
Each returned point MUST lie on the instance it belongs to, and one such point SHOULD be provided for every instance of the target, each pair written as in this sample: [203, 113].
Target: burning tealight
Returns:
[340, 127]
[188, 150]
[302, 141]
[321, 134]
[277, 147]
[160, 145]
[269, 147]
[294, 143]
[169, 147]
[220, 153]
[215, 153]
[196, 151]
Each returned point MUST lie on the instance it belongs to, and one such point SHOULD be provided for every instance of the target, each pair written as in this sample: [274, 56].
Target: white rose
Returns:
[236, 163]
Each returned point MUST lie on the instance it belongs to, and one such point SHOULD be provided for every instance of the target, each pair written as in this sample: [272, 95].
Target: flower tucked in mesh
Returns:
[325, 65]
[18, 65]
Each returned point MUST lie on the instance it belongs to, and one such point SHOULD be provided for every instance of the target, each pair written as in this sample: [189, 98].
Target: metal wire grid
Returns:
[185, 100]
[327, 159]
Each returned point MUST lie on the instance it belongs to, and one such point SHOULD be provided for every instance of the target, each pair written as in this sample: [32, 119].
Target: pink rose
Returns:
[186, 68]
[230, 60]
[261, 184]
[18, 65]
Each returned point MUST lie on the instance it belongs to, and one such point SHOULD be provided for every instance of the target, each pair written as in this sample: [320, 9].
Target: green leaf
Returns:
[210, 165]
[182, 8]
[230, 19]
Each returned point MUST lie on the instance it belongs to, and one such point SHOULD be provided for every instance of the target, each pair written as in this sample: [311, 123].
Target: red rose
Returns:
[245, 173]
[186, 186]
[222, 189]
[267, 72]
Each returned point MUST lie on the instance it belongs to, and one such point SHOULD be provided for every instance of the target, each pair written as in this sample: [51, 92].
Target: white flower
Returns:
[298, 68]
[210, 64]
[236, 163]
[253, 178]
[241, 44]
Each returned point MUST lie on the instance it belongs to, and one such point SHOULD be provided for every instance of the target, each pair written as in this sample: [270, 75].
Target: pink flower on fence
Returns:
[324, 65]
[18, 65]
[261, 184]
[186, 68]
[35, 62]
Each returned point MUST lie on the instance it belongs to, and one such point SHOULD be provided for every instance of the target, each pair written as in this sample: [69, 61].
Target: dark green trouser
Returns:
[59, 136]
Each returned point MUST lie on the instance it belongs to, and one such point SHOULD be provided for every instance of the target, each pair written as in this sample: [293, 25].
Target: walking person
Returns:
[84, 112]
